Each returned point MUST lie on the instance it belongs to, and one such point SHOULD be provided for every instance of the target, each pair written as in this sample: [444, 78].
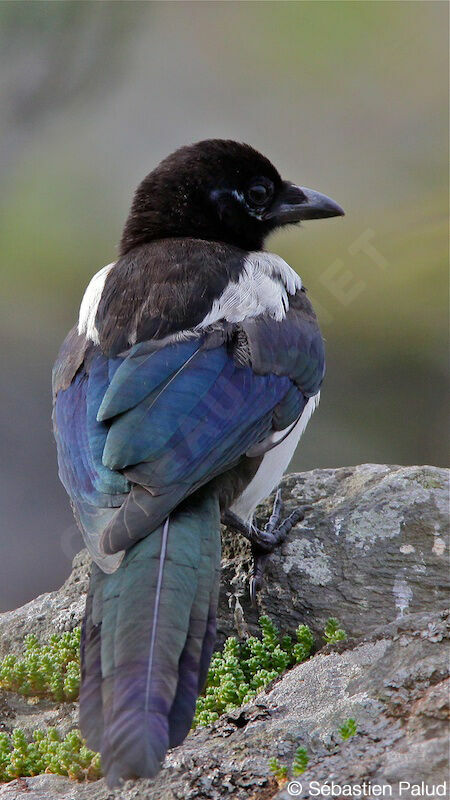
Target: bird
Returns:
[179, 398]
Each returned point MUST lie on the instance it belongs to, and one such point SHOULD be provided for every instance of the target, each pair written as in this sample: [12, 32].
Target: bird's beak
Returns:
[296, 203]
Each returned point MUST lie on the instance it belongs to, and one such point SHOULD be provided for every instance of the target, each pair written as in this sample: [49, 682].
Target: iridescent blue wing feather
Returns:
[137, 434]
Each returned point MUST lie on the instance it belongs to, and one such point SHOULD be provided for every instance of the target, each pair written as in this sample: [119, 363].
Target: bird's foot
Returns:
[264, 542]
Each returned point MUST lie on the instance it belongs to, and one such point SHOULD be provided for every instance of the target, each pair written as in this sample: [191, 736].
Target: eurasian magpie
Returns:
[179, 399]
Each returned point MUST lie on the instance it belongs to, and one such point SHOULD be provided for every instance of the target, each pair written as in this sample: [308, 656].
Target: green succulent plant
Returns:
[46, 751]
[242, 669]
[300, 761]
[348, 729]
[298, 766]
[301, 758]
[236, 675]
[45, 670]
[332, 632]
[280, 772]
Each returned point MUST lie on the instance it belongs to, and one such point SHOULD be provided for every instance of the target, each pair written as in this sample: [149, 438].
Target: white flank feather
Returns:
[89, 304]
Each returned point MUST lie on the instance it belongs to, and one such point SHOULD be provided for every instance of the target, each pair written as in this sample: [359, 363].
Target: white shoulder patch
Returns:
[262, 288]
[89, 304]
[277, 268]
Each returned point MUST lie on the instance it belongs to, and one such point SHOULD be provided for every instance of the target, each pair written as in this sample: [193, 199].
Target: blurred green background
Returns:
[349, 98]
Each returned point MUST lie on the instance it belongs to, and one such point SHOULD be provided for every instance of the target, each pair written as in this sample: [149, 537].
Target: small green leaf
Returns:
[280, 772]
[332, 632]
[348, 729]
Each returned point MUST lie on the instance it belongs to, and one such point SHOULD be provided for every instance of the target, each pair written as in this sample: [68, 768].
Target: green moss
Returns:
[45, 670]
[429, 483]
[47, 752]
[242, 669]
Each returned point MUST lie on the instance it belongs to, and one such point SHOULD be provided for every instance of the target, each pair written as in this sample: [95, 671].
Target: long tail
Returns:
[148, 636]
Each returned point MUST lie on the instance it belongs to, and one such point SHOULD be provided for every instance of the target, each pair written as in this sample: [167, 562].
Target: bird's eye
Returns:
[259, 193]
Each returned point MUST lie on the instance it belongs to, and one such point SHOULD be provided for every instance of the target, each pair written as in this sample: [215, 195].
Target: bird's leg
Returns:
[264, 542]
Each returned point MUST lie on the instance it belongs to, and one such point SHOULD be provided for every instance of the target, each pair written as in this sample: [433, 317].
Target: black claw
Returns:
[276, 513]
[288, 524]
[256, 581]
[253, 590]
[265, 541]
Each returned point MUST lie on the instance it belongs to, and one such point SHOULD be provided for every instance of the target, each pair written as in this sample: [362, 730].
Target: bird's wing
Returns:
[139, 432]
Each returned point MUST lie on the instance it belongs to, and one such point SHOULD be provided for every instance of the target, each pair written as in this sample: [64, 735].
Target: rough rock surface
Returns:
[373, 546]
[53, 612]
[17, 711]
[372, 551]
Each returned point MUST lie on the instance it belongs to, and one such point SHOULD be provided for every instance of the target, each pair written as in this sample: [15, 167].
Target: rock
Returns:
[53, 612]
[392, 683]
[372, 548]
[371, 551]
[17, 711]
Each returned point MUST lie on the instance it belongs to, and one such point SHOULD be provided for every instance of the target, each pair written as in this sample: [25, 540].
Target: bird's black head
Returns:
[218, 190]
